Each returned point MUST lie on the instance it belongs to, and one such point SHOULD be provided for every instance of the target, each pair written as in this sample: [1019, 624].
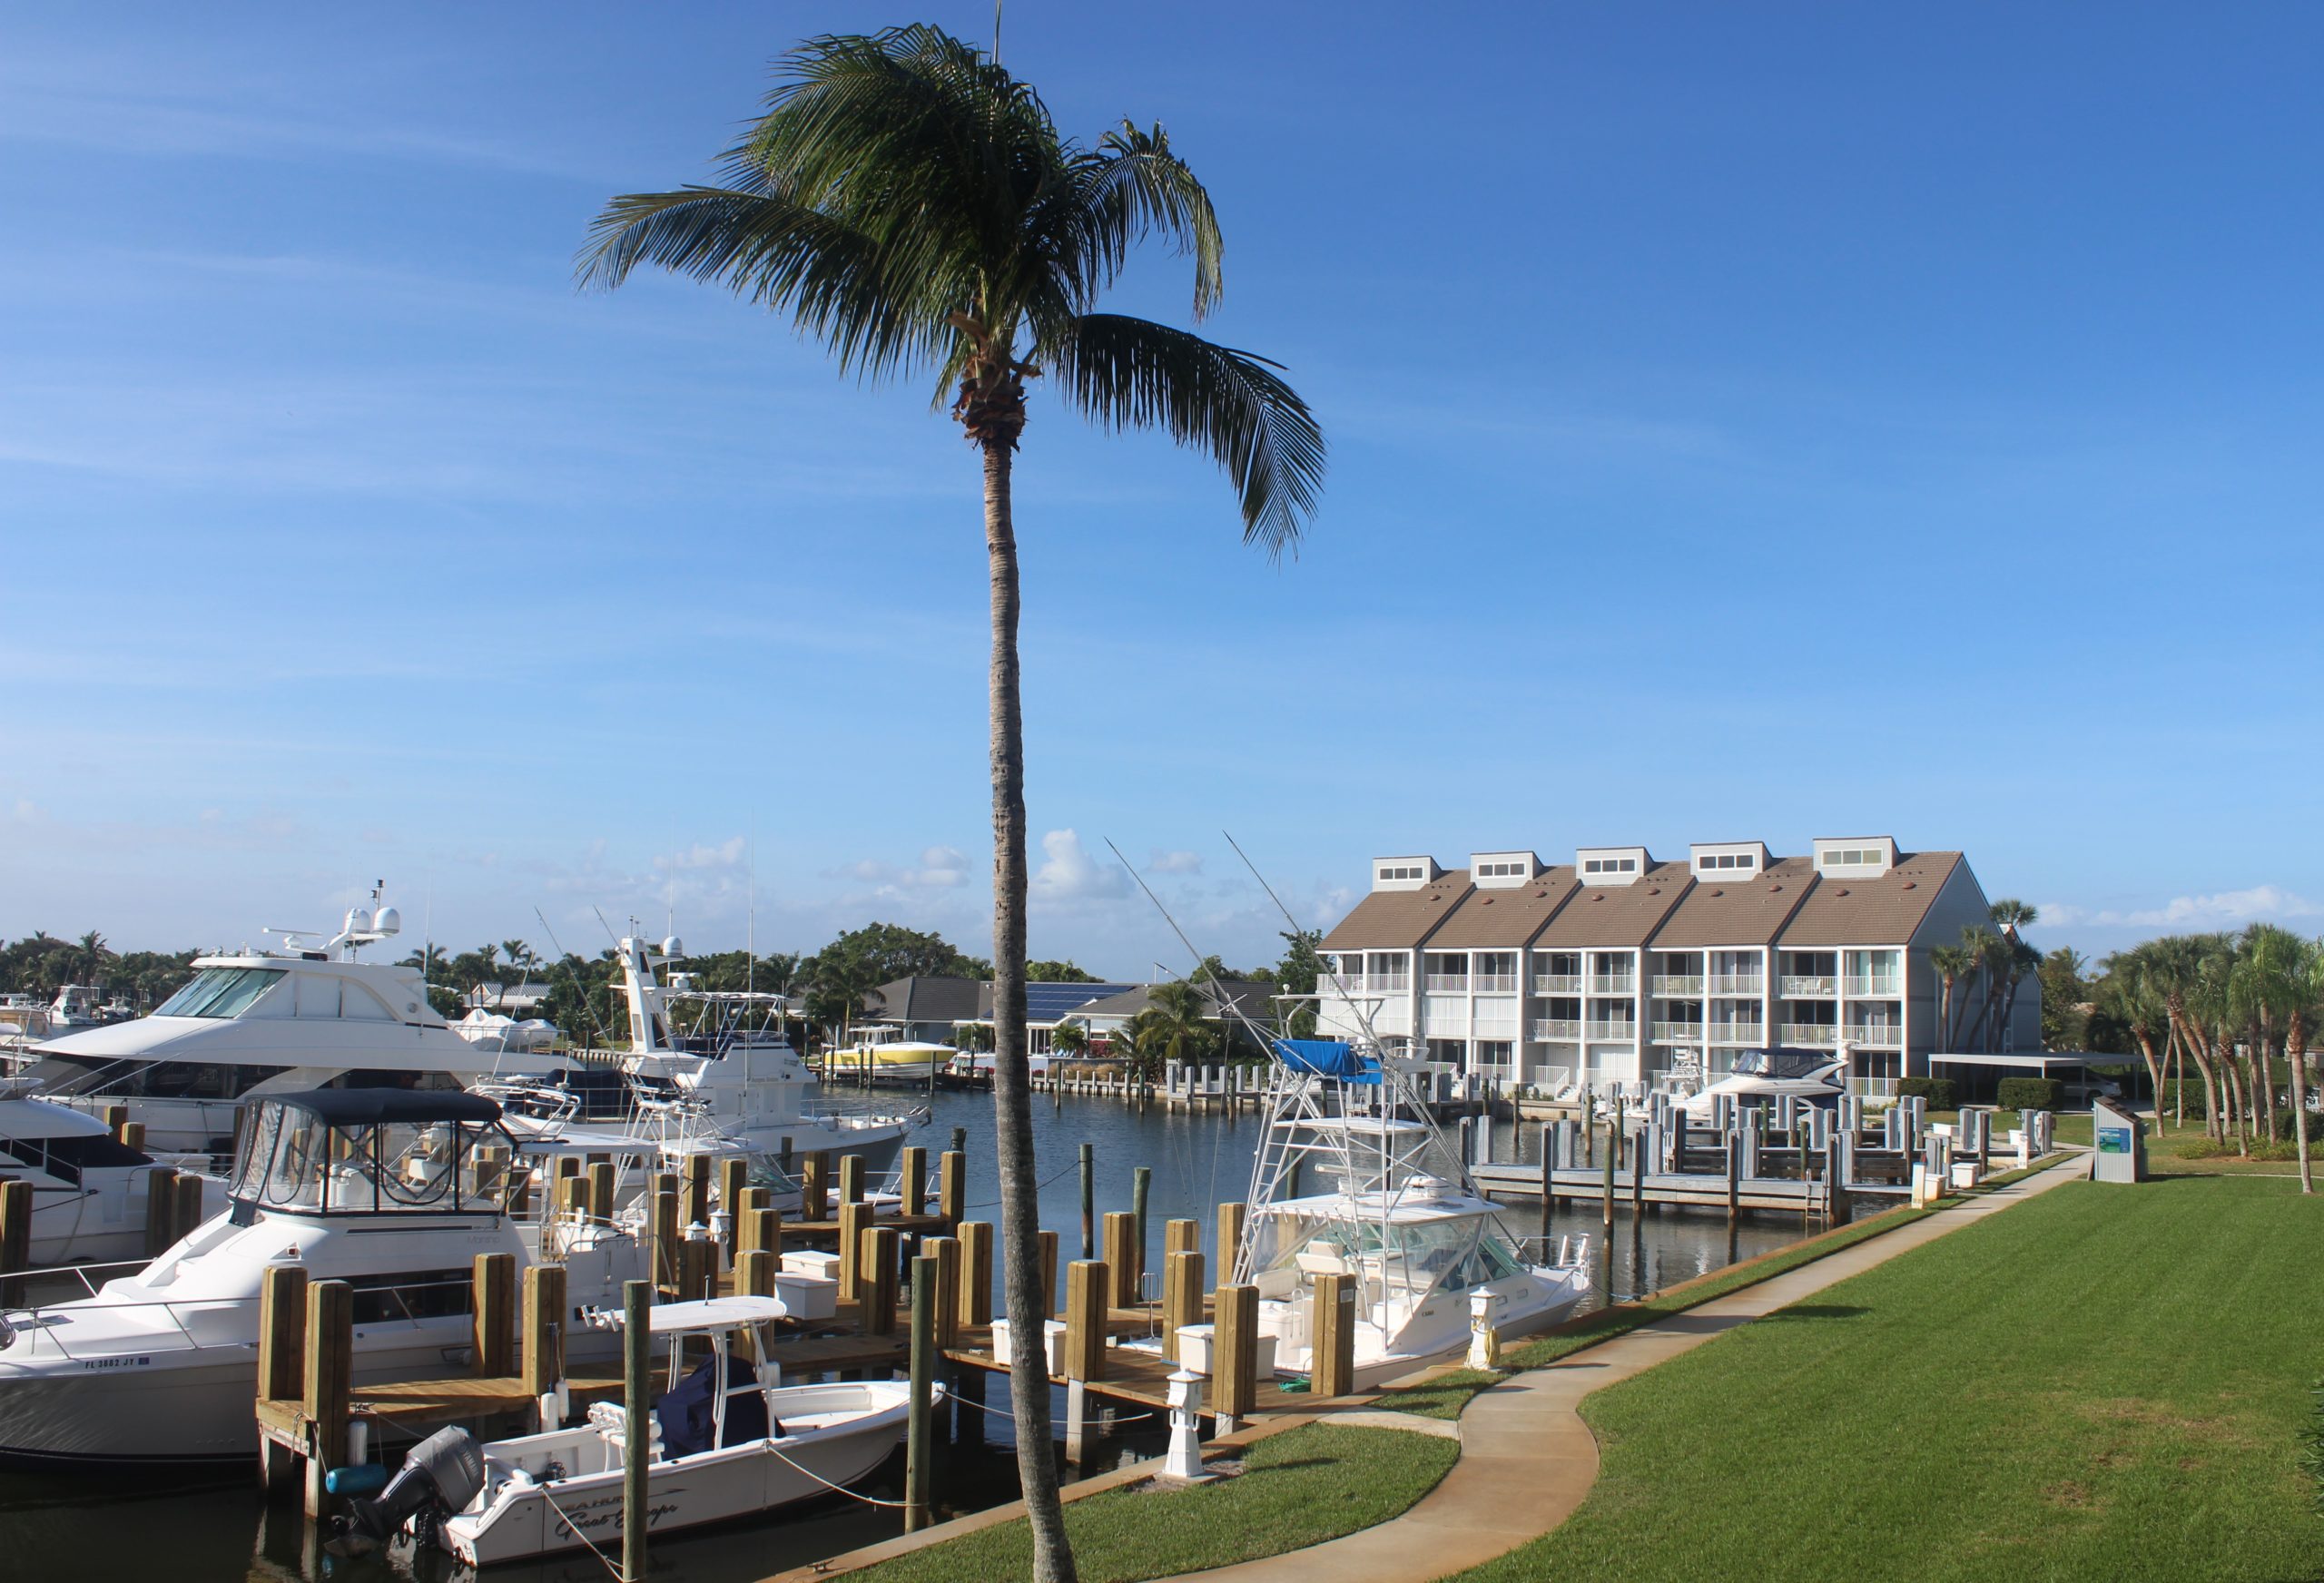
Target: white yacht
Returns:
[378, 1187]
[1353, 1178]
[90, 1191]
[265, 1022]
[1763, 1076]
[728, 1080]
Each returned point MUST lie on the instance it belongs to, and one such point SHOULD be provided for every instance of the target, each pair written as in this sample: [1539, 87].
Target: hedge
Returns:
[2029, 1093]
[1937, 1091]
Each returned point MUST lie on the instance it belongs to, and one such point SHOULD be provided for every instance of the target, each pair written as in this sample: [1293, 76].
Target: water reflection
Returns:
[109, 1529]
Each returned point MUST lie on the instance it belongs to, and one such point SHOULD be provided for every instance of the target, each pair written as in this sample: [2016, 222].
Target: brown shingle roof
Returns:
[1872, 913]
[1614, 916]
[1393, 921]
[1739, 912]
[1503, 919]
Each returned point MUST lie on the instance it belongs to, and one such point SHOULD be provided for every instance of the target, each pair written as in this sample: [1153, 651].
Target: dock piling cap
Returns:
[709, 1314]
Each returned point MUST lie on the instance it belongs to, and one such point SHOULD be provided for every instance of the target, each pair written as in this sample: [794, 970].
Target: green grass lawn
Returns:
[1299, 1488]
[2103, 1382]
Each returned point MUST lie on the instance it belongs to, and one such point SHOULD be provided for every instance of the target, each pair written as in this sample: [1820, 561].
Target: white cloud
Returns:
[726, 854]
[1070, 874]
[1180, 862]
[2219, 910]
[940, 869]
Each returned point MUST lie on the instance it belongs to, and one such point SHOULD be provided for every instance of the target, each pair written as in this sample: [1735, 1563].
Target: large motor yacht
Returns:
[379, 1187]
[1353, 1178]
[91, 1191]
[264, 1022]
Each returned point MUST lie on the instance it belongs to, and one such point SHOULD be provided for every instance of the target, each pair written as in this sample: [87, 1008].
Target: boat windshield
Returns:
[293, 1159]
[220, 992]
[1412, 1257]
[1781, 1064]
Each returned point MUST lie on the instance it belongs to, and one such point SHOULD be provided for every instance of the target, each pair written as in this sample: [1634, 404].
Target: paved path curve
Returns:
[1527, 1459]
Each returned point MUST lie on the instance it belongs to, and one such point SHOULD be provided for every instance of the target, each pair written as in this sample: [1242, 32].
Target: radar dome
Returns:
[359, 921]
[388, 920]
[674, 947]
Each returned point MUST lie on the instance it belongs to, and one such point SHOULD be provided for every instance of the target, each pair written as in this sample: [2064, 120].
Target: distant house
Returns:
[1249, 998]
[935, 1009]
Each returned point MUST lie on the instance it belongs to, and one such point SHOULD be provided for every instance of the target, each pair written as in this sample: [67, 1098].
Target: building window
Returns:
[1609, 865]
[1390, 970]
[1501, 871]
[1855, 858]
[1746, 861]
[1401, 872]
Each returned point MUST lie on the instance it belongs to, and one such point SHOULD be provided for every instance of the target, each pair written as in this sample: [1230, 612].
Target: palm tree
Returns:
[1989, 951]
[93, 955]
[2014, 917]
[1952, 964]
[1069, 1039]
[2128, 991]
[912, 205]
[2274, 982]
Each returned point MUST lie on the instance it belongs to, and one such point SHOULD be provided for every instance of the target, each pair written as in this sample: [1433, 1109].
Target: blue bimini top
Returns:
[1325, 1058]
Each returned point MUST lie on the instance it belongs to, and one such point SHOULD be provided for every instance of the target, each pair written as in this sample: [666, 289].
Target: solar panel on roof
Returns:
[1048, 1002]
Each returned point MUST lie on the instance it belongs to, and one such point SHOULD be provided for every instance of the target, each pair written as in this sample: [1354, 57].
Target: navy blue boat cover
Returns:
[1325, 1058]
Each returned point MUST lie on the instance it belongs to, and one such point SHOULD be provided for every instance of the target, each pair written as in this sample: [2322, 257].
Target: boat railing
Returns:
[49, 1323]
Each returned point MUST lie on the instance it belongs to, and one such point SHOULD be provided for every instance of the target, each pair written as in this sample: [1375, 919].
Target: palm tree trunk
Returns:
[2145, 1036]
[2296, 1047]
[1012, 1094]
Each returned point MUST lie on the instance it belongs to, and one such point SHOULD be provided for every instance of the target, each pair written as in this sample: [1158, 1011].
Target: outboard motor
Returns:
[440, 1476]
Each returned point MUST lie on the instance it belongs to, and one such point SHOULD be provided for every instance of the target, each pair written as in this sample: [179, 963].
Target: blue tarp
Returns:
[1325, 1058]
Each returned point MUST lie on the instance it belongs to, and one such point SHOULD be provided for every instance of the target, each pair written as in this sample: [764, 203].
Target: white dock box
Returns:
[824, 1266]
[1000, 1343]
[1195, 1344]
[807, 1296]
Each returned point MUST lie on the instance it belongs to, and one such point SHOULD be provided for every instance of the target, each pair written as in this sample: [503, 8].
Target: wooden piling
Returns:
[601, 1191]
[878, 1250]
[1087, 1283]
[946, 1252]
[115, 1117]
[1234, 1355]
[1181, 1237]
[1334, 1328]
[927, 1283]
[1121, 1257]
[1231, 1216]
[815, 1187]
[1734, 1176]
[695, 1202]
[1182, 1279]
[746, 1207]
[912, 1181]
[492, 1315]
[1141, 1187]
[697, 1269]
[282, 1367]
[1044, 1249]
[1088, 1201]
[851, 1178]
[952, 1188]
[733, 1181]
[666, 1234]
[766, 1232]
[327, 1380]
[976, 1272]
[853, 1218]
[1613, 1152]
[16, 1240]
[160, 1211]
[543, 1355]
[637, 1411]
[754, 1272]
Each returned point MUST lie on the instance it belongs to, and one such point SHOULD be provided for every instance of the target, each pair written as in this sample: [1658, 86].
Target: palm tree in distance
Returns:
[1952, 964]
[912, 205]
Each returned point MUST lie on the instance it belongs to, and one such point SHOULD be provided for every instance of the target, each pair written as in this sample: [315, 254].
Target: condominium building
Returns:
[1617, 966]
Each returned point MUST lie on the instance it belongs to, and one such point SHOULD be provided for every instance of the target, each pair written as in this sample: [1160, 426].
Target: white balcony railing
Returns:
[1678, 1033]
[1612, 984]
[1737, 984]
[1678, 983]
[1612, 1030]
[1738, 1033]
[1448, 983]
[1877, 984]
[1549, 1030]
[1806, 984]
[1557, 983]
[1492, 983]
[1886, 1036]
[1810, 1033]
[1872, 1087]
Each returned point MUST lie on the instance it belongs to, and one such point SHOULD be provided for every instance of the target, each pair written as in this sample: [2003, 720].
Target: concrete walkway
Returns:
[1527, 1459]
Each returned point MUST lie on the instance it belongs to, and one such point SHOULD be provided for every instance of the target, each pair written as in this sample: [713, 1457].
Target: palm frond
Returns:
[1132, 373]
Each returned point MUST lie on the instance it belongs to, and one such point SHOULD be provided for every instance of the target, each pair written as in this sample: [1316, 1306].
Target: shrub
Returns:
[2169, 1104]
[1937, 1091]
[2030, 1094]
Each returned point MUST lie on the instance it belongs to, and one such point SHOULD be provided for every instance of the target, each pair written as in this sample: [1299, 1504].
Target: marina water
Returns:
[118, 1529]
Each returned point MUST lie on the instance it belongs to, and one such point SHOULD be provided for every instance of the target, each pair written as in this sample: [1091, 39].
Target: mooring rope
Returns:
[577, 1534]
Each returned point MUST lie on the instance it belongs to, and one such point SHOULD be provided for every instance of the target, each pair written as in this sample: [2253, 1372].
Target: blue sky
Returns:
[1767, 421]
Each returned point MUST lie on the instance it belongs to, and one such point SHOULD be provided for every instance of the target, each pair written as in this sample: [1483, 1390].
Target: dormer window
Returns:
[1725, 861]
[1609, 865]
[1500, 870]
[1402, 871]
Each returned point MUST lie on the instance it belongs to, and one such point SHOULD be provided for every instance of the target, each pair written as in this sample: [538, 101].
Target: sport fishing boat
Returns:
[382, 1188]
[90, 1190]
[266, 1022]
[729, 1440]
[1353, 1178]
[884, 1056]
[1763, 1076]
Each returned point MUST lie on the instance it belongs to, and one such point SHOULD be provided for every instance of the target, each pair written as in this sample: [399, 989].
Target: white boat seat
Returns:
[1322, 1264]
